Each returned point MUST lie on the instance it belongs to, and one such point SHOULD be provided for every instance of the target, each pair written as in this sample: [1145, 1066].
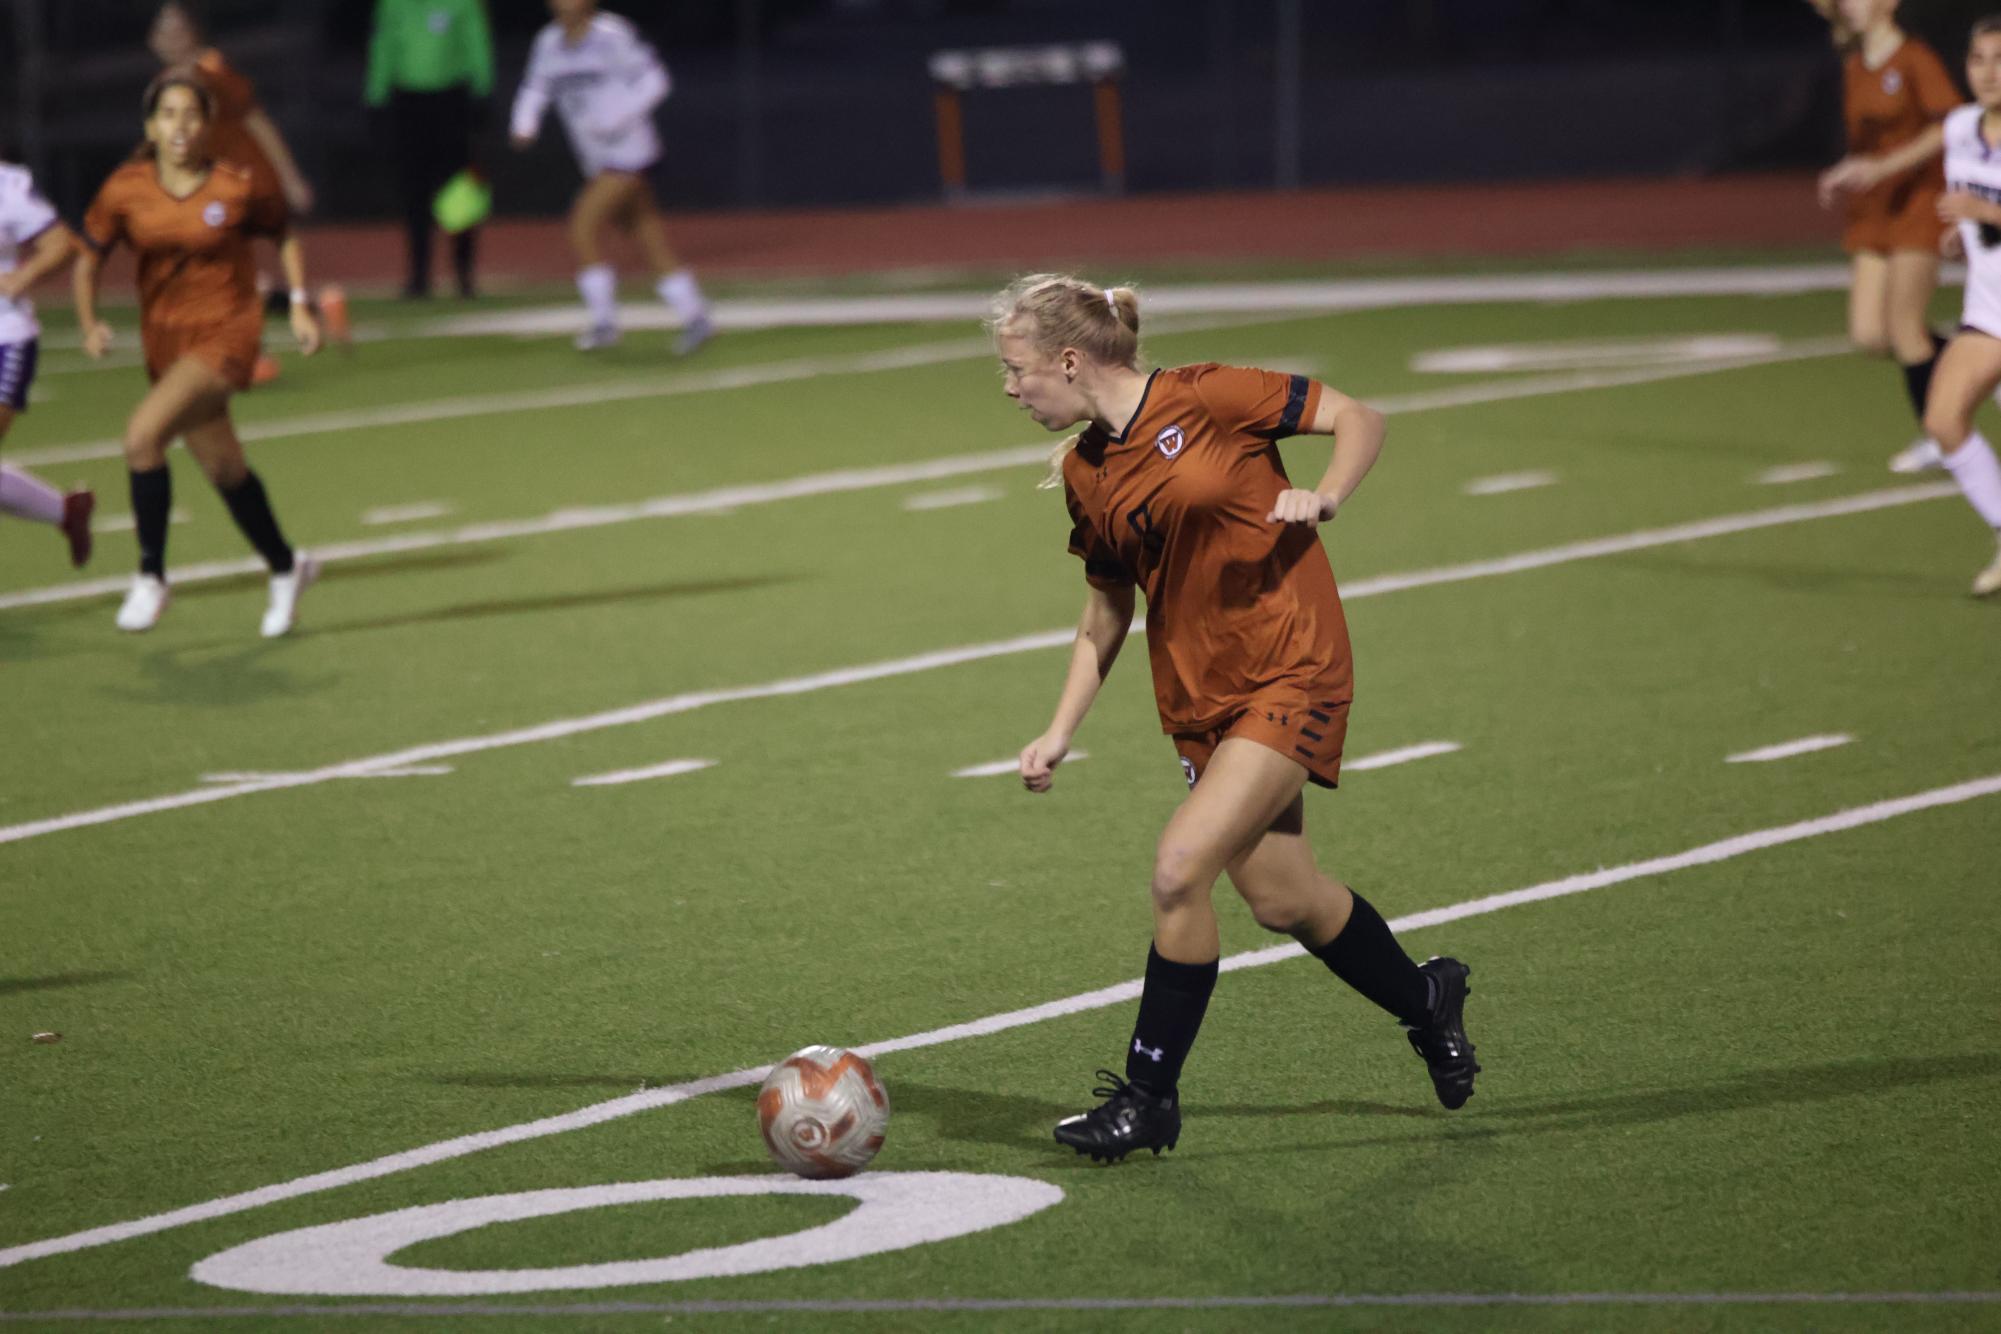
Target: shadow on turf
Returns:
[12, 985]
[1777, 1087]
[551, 602]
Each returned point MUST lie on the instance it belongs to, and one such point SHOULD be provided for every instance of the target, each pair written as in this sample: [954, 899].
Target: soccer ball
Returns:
[823, 1111]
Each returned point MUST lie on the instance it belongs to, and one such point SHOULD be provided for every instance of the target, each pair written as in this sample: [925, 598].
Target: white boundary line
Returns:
[995, 768]
[665, 769]
[1424, 750]
[1785, 750]
[726, 498]
[998, 1305]
[646, 1100]
[1590, 549]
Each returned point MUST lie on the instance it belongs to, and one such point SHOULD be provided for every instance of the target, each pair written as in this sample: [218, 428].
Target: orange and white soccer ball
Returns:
[823, 1112]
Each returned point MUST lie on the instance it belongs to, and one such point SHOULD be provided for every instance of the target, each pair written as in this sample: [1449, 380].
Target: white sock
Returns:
[27, 497]
[599, 287]
[1978, 473]
[683, 295]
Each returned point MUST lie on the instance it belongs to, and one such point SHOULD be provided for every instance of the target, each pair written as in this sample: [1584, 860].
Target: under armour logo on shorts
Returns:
[1188, 770]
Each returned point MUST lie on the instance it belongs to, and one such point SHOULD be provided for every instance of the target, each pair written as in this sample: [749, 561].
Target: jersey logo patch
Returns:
[214, 213]
[1893, 82]
[1170, 442]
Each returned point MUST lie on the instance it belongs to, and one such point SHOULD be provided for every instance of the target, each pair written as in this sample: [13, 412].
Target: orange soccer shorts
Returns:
[227, 347]
[1905, 218]
[1306, 732]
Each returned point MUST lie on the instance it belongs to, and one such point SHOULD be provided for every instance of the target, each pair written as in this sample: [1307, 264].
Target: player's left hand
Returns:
[1301, 506]
[1960, 206]
[305, 328]
[1850, 175]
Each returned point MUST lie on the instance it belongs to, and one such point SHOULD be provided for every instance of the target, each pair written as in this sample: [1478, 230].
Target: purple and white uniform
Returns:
[1974, 166]
[24, 215]
[605, 86]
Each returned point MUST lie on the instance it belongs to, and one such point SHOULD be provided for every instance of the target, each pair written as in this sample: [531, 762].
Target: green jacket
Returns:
[422, 46]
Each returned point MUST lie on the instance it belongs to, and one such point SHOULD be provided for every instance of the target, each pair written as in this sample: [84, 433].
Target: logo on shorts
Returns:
[215, 213]
[1188, 770]
[1170, 442]
[1893, 82]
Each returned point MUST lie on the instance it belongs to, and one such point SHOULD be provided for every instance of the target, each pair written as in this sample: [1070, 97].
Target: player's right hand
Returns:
[1039, 759]
[97, 340]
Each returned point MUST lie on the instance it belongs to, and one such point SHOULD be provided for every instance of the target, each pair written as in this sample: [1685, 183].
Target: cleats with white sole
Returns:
[1918, 456]
[144, 603]
[1988, 581]
[697, 332]
[283, 612]
[598, 337]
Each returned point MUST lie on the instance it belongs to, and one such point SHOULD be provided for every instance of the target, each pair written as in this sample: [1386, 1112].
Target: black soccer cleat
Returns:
[1129, 1118]
[1442, 1040]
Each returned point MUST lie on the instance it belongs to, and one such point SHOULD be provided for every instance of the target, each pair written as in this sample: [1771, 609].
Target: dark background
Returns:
[818, 102]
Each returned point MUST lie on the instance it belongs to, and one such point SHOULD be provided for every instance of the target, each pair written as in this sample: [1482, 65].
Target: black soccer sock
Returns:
[1918, 378]
[1367, 957]
[1171, 1006]
[251, 509]
[152, 502]
[465, 254]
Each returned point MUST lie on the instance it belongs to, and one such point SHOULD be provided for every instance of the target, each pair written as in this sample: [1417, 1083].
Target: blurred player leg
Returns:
[1912, 278]
[215, 446]
[26, 496]
[674, 283]
[1967, 373]
[188, 392]
[603, 197]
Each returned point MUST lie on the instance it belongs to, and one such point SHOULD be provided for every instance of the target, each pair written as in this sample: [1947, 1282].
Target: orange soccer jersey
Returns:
[197, 279]
[1885, 108]
[1238, 611]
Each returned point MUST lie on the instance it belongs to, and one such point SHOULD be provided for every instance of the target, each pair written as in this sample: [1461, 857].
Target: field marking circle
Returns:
[897, 1210]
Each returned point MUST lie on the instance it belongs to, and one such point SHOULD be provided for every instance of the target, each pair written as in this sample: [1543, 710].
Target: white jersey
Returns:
[605, 86]
[1971, 164]
[24, 215]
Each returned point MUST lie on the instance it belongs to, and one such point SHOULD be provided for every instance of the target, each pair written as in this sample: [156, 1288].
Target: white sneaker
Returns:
[697, 332]
[1918, 456]
[144, 602]
[596, 337]
[1988, 581]
[283, 613]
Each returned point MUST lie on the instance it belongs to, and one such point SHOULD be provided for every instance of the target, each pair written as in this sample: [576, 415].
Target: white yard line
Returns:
[618, 776]
[1502, 483]
[1787, 473]
[648, 1099]
[795, 1306]
[995, 768]
[1785, 750]
[858, 479]
[125, 523]
[1596, 353]
[407, 771]
[1521, 562]
[940, 500]
[1403, 755]
[410, 513]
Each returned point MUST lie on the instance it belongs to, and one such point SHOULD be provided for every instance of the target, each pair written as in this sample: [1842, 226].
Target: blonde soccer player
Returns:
[605, 80]
[34, 243]
[190, 220]
[1175, 489]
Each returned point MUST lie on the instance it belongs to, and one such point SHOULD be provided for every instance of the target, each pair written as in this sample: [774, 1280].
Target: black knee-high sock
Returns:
[152, 501]
[251, 509]
[1367, 957]
[1918, 378]
[465, 252]
[1171, 1006]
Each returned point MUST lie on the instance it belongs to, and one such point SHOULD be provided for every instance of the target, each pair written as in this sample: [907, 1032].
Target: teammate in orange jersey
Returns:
[1175, 487]
[242, 132]
[1895, 96]
[191, 220]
